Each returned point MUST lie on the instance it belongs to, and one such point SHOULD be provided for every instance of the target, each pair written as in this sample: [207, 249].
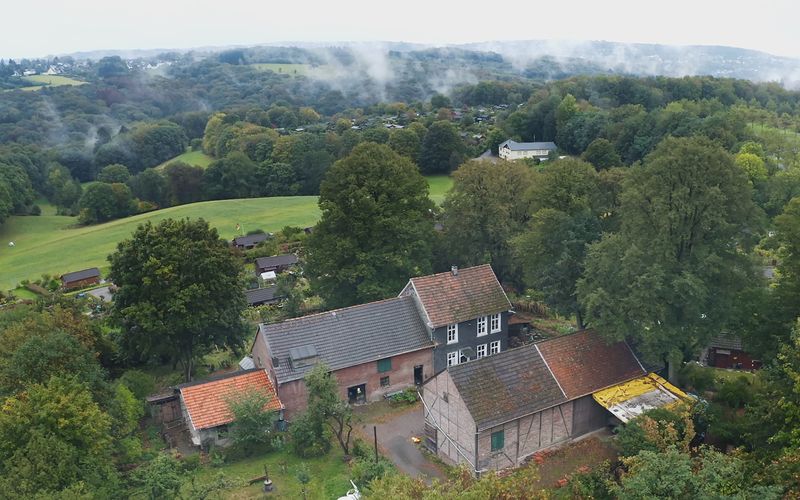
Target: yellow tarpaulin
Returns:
[630, 399]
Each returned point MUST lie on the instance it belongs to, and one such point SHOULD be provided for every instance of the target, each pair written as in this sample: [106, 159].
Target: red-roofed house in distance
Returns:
[205, 403]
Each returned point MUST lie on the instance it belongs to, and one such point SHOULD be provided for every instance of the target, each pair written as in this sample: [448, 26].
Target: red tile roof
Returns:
[471, 293]
[207, 402]
[583, 362]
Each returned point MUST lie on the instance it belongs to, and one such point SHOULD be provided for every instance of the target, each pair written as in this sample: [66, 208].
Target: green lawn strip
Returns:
[439, 186]
[329, 476]
[55, 245]
[195, 158]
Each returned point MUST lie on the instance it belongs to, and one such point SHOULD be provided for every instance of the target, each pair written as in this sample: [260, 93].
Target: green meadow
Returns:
[196, 158]
[49, 81]
[55, 244]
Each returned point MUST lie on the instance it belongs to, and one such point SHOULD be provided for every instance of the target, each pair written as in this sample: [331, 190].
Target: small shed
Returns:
[276, 263]
[205, 403]
[261, 296]
[80, 279]
[250, 241]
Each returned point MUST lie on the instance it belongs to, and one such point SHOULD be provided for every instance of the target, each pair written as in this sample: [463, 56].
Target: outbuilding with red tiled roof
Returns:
[205, 404]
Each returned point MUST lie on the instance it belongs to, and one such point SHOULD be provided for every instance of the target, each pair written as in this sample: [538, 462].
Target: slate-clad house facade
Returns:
[372, 349]
[494, 412]
[466, 312]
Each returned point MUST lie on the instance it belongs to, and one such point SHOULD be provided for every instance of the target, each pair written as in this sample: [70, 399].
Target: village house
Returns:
[250, 241]
[494, 412]
[205, 404]
[372, 349]
[466, 312]
[511, 150]
[80, 279]
[276, 264]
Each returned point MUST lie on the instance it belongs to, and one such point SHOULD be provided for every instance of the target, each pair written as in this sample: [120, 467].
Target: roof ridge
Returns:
[550, 370]
[217, 378]
[333, 311]
[459, 270]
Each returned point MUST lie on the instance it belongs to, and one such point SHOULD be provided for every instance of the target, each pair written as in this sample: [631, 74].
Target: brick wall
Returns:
[294, 396]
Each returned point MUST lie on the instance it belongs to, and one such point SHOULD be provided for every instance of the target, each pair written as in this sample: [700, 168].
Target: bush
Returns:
[408, 396]
[656, 430]
[364, 470]
[699, 378]
[310, 438]
[735, 393]
[140, 384]
[593, 484]
[191, 462]
[36, 210]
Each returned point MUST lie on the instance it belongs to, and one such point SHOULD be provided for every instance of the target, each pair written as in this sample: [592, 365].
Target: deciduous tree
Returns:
[180, 292]
[375, 229]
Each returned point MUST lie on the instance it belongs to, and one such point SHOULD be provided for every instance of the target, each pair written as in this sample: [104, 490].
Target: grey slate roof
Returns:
[92, 272]
[250, 239]
[276, 261]
[527, 146]
[506, 386]
[726, 341]
[348, 337]
[261, 295]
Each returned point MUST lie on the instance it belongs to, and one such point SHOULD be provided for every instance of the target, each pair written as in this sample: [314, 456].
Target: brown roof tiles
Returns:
[451, 298]
[584, 363]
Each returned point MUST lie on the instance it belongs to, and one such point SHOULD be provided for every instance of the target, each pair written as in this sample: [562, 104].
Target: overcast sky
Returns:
[44, 27]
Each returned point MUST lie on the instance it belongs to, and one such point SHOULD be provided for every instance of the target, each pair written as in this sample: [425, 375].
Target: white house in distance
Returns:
[511, 150]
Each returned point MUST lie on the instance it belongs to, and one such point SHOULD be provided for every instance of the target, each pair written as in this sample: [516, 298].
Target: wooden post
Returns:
[375, 435]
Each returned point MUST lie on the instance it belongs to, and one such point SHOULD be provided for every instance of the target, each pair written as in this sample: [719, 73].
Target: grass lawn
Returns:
[439, 186]
[282, 69]
[50, 81]
[330, 476]
[53, 244]
[25, 294]
[196, 158]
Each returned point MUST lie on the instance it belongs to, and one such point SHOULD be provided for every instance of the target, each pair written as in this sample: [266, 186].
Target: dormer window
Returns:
[495, 323]
[452, 333]
[483, 322]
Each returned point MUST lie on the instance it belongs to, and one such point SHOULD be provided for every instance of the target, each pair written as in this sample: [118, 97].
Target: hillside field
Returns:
[49, 81]
[54, 244]
[195, 158]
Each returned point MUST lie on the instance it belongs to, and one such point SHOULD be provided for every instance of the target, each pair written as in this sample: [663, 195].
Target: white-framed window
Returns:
[483, 322]
[494, 347]
[452, 358]
[452, 333]
[495, 323]
[481, 350]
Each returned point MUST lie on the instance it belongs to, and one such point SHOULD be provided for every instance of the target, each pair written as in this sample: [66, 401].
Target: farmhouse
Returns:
[494, 412]
[466, 312]
[80, 279]
[510, 150]
[372, 349]
[205, 408]
[276, 264]
[249, 241]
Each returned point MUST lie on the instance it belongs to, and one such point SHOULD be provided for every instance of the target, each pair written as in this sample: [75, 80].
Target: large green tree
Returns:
[669, 277]
[486, 207]
[442, 149]
[180, 291]
[375, 230]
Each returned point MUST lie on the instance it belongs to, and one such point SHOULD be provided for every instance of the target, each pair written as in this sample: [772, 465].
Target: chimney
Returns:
[454, 270]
